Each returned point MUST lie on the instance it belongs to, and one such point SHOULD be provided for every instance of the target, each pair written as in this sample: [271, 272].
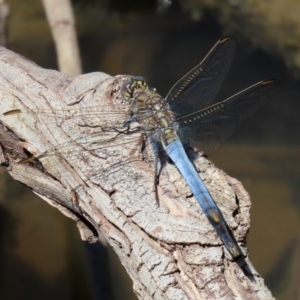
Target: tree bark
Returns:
[170, 251]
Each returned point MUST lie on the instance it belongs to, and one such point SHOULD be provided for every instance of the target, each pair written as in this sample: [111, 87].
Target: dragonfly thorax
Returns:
[151, 110]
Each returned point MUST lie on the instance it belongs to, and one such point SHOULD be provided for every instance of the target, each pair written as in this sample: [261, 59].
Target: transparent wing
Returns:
[208, 128]
[199, 87]
[100, 140]
[92, 116]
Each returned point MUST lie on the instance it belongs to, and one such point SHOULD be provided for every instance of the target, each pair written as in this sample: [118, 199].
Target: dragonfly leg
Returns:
[129, 121]
[156, 172]
[160, 160]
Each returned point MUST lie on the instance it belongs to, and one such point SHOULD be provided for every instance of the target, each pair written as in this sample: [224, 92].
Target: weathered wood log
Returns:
[170, 251]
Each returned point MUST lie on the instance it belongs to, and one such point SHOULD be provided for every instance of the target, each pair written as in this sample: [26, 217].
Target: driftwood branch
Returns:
[170, 251]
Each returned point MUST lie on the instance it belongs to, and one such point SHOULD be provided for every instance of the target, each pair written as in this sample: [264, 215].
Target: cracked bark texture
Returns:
[170, 251]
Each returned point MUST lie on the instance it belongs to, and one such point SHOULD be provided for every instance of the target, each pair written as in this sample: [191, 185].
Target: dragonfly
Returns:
[187, 117]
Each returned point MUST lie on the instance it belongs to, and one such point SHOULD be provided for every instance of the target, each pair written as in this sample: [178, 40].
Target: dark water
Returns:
[42, 255]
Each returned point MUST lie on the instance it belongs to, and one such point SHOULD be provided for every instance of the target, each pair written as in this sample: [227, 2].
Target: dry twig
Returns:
[62, 24]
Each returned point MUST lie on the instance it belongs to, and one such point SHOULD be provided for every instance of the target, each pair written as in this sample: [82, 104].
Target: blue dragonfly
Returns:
[187, 116]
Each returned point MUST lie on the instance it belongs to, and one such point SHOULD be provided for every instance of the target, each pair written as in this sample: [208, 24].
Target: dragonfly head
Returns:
[133, 86]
